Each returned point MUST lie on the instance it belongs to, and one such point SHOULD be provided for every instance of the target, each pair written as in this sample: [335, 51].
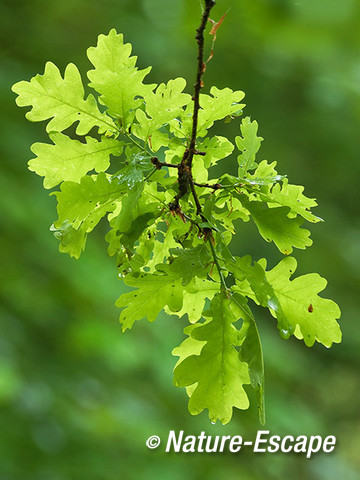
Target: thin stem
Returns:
[150, 174]
[200, 71]
[184, 169]
[144, 149]
[197, 202]
[214, 186]
[216, 261]
[156, 162]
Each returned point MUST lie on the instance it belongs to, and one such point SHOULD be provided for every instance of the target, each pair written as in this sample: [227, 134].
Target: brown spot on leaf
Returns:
[310, 308]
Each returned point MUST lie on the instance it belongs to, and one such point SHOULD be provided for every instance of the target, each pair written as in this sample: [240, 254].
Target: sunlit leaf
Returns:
[62, 101]
[116, 77]
[70, 160]
[217, 371]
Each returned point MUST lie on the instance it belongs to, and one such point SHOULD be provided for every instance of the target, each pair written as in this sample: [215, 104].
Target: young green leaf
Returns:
[215, 148]
[70, 160]
[72, 241]
[249, 145]
[311, 317]
[162, 106]
[62, 101]
[251, 352]
[170, 226]
[116, 77]
[264, 175]
[195, 295]
[274, 225]
[218, 372]
[191, 262]
[153, 292]
[134, 218]
[85, 203]
[216, 106]
[292, 196]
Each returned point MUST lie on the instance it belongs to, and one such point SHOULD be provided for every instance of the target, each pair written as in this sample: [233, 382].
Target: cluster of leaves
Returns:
[172, 248]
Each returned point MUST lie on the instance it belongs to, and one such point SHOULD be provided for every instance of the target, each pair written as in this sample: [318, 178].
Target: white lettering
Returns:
[331, 442]
[274, 441]
[189, 444]
[289, 438]
[311, 450]
[260, 440]
[223, 441]
[201, 438]
[172, 438]
[235, 444]
[214, 448]
[263, 443]
[300, 445]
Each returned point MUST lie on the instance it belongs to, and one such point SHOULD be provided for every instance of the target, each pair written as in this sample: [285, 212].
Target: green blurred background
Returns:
[78, 398]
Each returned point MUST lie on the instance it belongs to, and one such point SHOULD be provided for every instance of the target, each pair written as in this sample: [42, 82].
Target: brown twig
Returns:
[214, 186]
[197, 202]
[200, 71]
[157, 164]
[185, 179]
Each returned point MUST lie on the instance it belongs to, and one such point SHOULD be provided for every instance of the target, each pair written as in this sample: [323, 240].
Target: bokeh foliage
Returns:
[78, 397]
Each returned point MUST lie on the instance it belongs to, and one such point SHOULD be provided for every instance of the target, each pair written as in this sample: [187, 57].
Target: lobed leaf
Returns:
[215, 148]
[162, 252]
[274, 225]
[292, 196]
[72, 241]
[311, 317]
[264, 175]
[136, 215]
[62, 101]
[190, 262]
[85, 203]
[194, 298]
[70, 160]
[265, 186]
[116, 77]
[217, 371]
[168, 236]
[153, 292]
[161, 106]
[249, 144]
[220, 104]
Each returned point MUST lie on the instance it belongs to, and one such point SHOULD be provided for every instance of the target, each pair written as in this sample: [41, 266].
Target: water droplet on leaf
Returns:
[285, 333]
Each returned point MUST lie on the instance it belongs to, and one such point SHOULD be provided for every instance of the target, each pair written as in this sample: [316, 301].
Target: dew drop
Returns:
[285, 333]
[272, 303]
[213, 423]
